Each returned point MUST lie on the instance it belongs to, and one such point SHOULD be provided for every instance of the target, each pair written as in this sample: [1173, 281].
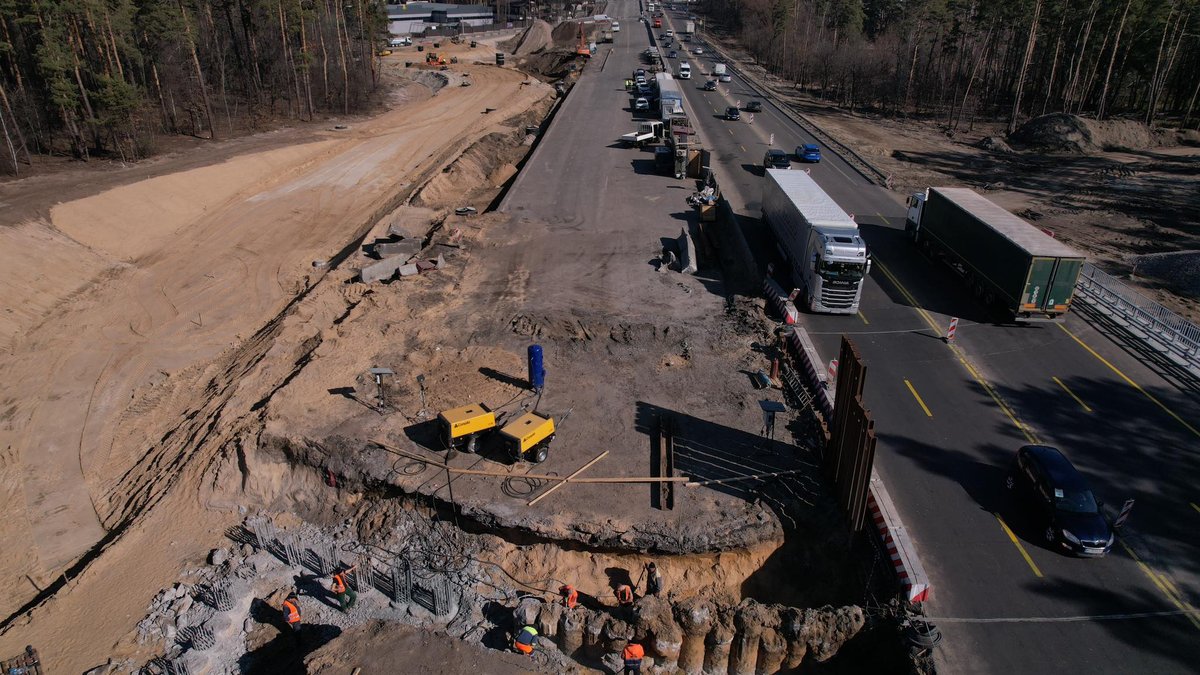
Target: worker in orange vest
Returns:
[633, 655]
[624, 595]
[291, 613]
[569, 595]
[523, 642]
[345, 595]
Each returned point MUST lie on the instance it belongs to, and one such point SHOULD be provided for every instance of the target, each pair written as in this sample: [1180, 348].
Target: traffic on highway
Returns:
[1028, 574]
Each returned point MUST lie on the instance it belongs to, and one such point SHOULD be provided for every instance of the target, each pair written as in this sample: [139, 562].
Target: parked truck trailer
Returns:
[670, 97]
[821, 242]
[1005, 261]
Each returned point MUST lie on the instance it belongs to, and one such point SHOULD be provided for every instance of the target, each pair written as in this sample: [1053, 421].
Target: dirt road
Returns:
[121, 309]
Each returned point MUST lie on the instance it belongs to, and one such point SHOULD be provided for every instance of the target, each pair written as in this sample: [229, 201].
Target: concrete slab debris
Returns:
[382, 271]
[404, 247]
[410, 222]
[687, 252]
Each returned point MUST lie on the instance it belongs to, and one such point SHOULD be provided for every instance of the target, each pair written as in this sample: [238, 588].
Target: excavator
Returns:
[582, 47]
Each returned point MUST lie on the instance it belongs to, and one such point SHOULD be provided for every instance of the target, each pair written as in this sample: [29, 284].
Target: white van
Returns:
[685, 71]
[616, 26]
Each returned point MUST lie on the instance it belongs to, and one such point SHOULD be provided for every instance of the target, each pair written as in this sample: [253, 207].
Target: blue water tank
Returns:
[537, 373]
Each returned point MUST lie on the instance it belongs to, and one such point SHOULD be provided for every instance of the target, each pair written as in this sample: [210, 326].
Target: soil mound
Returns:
[535, 38]
[566, 34]
[1061, 132]
[1057, 132]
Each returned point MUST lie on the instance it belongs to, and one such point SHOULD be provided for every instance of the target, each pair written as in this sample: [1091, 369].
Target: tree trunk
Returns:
[1033, 25]
[16, 125]
[343, 44]
[1151, 92]
[1103, 103]
[983, 50]
[305, 66]
[187, 31]
[1054, 63]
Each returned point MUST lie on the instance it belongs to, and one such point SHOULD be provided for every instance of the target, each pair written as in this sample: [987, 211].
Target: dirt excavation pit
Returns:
[422, 578]
[310, 440]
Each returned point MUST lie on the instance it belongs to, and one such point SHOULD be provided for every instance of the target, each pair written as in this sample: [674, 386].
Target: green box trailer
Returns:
[1006, 261]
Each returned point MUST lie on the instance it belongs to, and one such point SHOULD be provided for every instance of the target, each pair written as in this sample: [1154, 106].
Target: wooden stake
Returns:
[567, 479]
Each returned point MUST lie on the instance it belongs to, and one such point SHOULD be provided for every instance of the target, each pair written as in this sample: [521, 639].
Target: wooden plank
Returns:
[509, 474]
[563, 482]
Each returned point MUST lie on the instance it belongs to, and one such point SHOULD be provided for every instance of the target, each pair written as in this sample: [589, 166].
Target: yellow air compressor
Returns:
[461, 427]
[528, 437]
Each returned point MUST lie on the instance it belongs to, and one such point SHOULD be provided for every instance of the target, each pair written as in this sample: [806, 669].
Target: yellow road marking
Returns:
[1166, 587]
[1133, 384]
[917, 396]
[864, 319]
[876, 263]
[1155, 578]
[962, 358]
[1017, 542]
[1072, 394]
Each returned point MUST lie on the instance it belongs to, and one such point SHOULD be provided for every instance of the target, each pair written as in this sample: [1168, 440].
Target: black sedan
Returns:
[776, 159]
[732, 114]
[1045, 482]
[710, 85]
[754, 106]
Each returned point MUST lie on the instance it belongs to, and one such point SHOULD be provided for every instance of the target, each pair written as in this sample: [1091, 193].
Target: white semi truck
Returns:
[670, 98]
[821, 242]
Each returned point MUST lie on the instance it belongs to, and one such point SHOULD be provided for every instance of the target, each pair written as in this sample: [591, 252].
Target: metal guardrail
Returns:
[1162, 327]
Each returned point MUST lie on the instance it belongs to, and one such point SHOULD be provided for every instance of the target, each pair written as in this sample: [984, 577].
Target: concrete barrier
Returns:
[780, 301]
[896, 541]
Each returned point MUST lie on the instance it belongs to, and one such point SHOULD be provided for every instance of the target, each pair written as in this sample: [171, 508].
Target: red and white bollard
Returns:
[952, 330]
[833, 364]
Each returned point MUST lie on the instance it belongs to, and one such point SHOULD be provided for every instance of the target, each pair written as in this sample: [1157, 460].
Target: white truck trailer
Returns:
[670, 97]
[820, 241]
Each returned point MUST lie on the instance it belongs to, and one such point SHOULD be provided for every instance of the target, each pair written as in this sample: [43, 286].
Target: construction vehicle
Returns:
[820, 241]
[462, 427]
[527, 438]
[432, 59]
[1005, 261]
[647, 132]
[582, 48]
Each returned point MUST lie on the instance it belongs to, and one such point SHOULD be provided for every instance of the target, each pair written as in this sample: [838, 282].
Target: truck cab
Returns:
[685, 71]
[912, 221]
[821, 242]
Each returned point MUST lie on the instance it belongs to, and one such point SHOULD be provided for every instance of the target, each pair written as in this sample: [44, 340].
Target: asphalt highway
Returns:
[949, 417]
